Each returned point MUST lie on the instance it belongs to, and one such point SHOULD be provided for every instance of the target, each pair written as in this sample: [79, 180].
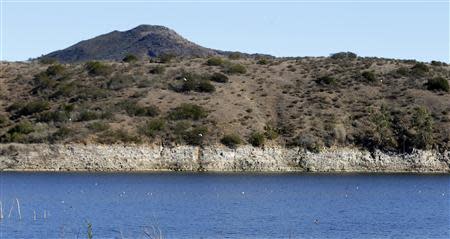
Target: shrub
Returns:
[3, 120]
[120, 135]
[438, 83]
[88, 115]
[422, 129]
[205, 86]
[381, 134]
[420, 69]
[369, 76]
[43, 81]
[234, 55]
[119, 82]
[97, 68]
[270, 132]
[219, 77]
[24, 127]
[129, 58]
[151, 127]
[438, 63]
[98, 126]
[61, 134]
[235, 69]
[157, 70]
[18, 132]
[343, 55]
[54, 116]
[214, 61]
[262, 61]
[34, 107]
[195, 82]
[196, 135]
[402, 71]
[188, 111]
[257, 139]
[133, 109]
[326, 80]
[47, 60]
[166, 57]
[55, 70]
[307, 142]
[231, 140]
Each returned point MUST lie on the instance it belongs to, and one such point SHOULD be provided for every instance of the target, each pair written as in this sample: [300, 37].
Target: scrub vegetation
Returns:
[337, 101]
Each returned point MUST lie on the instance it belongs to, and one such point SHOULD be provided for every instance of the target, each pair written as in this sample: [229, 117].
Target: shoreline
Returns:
[120, 158]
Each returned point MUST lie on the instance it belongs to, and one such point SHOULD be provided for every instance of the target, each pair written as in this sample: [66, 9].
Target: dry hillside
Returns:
[373, 103]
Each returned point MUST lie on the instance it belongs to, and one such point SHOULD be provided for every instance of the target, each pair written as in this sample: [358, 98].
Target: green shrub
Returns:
[369, 76]
[133, 109]
[262, 61]
[231, 140]
[166, 57]
[188, 111]
[150, 128]
[257, 139]
[270, 132]
[234, 68]
[205, 86]
[61, 134]
[438, 83]
[420, 69]
[326, 80]
[308, 142]
[234, 56]
[3, 120]
[88, 115]
[47, 60]
[34, 107]
[194, 82]
[55, 70]
[116, 136]
[438, 63]
[196, 135]
[343, 55]
[214, 61]
[402, 71]
[119, 82]
[43, 81]
[129, 58]
[24, 127]
[422, 129]
[219, 77]
[381, 133]
[98, 126]
[157, 70]
[97, 68]
[54, 116]
[18, 132]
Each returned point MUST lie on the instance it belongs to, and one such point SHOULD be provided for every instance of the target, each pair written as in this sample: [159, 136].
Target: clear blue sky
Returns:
[406, 30]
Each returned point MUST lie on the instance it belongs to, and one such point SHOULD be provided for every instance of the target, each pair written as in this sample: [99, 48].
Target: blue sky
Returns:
[396, 29]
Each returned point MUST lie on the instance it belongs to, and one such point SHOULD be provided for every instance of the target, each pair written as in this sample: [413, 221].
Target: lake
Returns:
[188, 205]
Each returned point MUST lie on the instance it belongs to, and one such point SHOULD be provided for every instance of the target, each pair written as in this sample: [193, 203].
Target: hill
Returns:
[314, 103]
[142, 41]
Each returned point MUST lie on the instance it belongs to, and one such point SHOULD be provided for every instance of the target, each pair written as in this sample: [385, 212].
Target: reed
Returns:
[18, 209]
[1, 210]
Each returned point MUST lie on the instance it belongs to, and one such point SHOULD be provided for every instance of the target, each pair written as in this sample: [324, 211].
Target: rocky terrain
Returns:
[125, 158]
[190, 96]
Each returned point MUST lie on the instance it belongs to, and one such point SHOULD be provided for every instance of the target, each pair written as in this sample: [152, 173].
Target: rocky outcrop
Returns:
[93, 157]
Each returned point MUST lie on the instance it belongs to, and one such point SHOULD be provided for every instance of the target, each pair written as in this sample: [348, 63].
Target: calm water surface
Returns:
[225, 205]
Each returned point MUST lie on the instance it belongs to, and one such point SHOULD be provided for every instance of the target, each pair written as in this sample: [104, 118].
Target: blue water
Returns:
[184, 205]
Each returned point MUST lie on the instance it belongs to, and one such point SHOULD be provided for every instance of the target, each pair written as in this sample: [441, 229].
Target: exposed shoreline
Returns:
[154, 158]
